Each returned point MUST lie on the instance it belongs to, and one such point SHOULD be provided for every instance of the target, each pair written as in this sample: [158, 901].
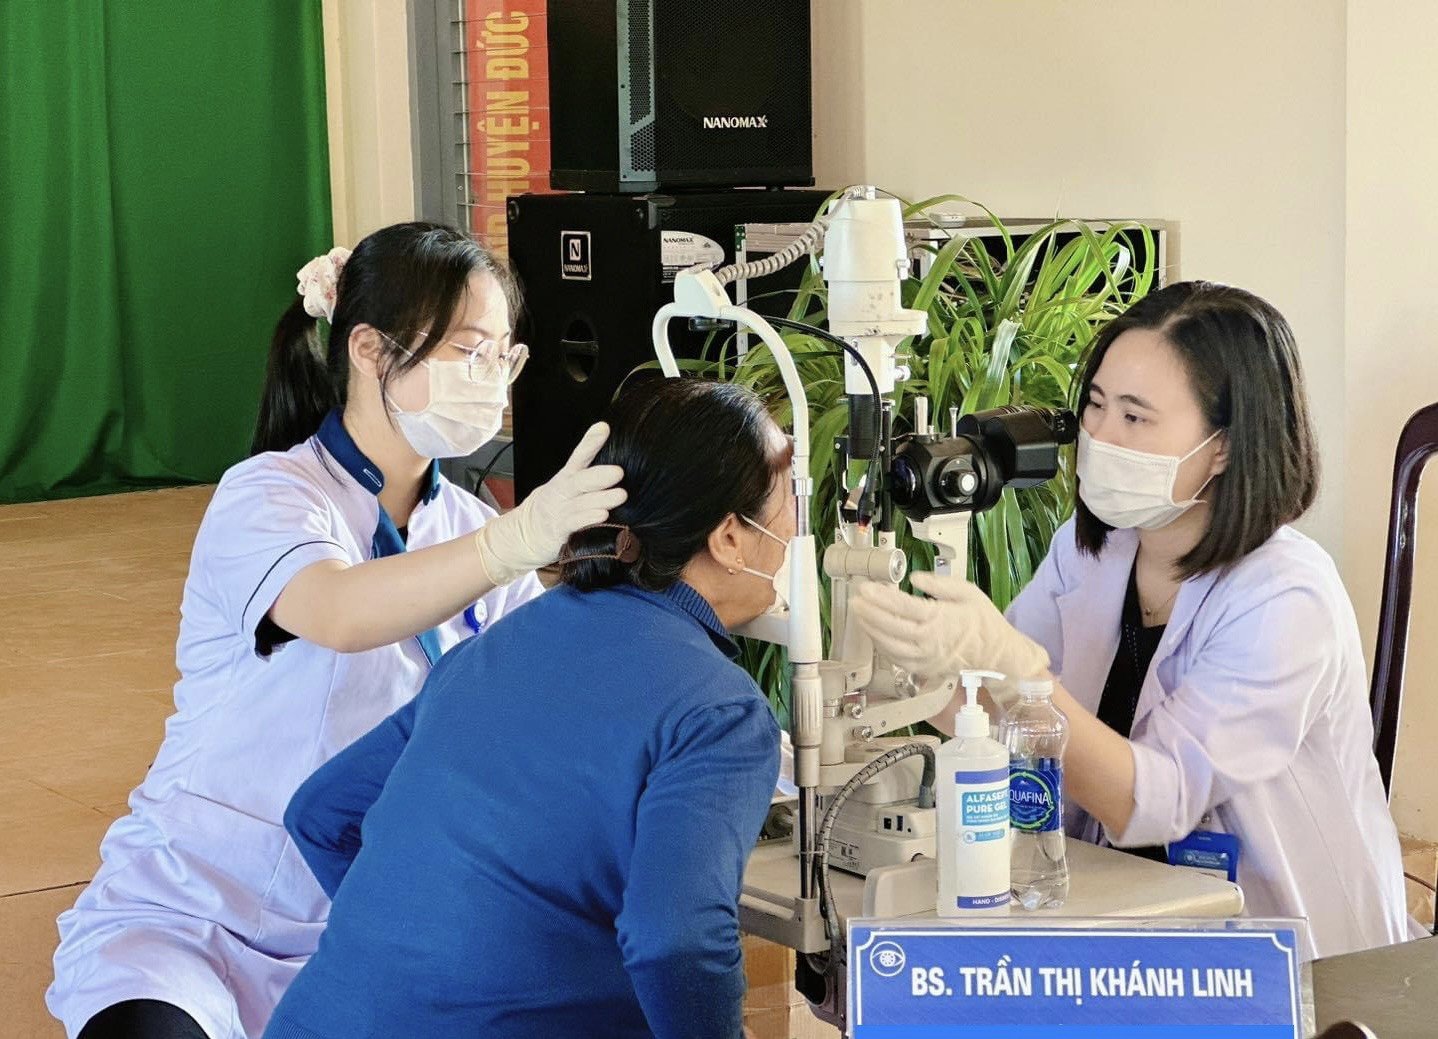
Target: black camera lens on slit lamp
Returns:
[1007, 447]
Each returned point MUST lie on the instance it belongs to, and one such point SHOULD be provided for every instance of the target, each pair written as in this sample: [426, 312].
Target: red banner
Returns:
[506, 42]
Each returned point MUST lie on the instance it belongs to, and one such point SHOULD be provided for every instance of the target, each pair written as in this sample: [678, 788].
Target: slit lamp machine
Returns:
[865, 798]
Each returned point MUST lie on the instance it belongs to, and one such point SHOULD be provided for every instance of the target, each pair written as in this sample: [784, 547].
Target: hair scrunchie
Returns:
[319, 282]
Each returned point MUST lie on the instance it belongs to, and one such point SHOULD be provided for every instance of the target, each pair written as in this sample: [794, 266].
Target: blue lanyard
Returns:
[387, 542]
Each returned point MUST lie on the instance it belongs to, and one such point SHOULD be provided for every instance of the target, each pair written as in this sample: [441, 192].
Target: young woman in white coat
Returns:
[1205, 652]
[331, 570]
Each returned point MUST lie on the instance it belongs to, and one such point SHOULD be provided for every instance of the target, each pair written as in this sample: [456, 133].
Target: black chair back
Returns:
[1416, 445]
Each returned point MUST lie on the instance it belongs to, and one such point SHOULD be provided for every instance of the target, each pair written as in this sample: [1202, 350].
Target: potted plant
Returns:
[1009, 320]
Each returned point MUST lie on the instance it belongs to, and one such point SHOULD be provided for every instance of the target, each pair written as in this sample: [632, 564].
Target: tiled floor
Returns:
[89, 606]
[89, 609]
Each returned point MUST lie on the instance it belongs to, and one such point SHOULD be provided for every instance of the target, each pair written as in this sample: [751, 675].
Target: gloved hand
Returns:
[531, 535]
[958, 629]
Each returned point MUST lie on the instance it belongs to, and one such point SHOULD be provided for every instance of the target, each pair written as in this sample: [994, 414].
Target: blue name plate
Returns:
[1016, 982]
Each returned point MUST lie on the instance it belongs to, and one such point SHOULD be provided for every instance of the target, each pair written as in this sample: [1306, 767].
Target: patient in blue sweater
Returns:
[550, 839]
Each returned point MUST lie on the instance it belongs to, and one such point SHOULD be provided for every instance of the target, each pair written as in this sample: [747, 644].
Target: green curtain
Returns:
[163, 173]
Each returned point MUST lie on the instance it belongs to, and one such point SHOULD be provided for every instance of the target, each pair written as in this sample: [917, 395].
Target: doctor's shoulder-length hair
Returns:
[1244, 371]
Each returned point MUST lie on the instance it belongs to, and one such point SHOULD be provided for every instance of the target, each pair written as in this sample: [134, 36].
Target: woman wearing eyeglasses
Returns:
[332, 569]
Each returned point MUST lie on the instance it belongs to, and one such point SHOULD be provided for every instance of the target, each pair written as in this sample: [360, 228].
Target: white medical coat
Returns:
[201, 899]
[1253, 720]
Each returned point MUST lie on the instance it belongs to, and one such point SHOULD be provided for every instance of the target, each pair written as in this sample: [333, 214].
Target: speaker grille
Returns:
[642, 147]
[730, 59]
[641, 35]
[679, 93]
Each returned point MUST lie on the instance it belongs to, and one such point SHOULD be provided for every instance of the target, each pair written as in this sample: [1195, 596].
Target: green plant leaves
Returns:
[1008, 323]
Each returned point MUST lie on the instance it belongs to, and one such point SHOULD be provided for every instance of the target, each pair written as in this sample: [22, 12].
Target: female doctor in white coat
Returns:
[331, 570]
[1206, 653]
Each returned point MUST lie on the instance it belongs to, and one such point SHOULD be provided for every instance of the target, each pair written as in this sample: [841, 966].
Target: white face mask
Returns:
[780, 577]
[465, 410]
[1126, 488]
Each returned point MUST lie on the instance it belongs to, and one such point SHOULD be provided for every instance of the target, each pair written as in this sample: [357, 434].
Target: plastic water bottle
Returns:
[1036, 733]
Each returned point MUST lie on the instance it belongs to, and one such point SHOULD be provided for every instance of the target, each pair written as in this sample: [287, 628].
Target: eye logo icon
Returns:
[887, 959]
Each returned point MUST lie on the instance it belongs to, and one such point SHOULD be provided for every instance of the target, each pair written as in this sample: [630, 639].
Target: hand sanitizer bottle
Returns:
[973, 807]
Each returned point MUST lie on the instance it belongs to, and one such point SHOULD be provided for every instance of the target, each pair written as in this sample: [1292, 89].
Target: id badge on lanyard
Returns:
[1207, 850]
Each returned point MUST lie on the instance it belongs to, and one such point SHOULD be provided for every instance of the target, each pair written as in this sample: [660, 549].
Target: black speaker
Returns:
[650, 94]
[594, 269]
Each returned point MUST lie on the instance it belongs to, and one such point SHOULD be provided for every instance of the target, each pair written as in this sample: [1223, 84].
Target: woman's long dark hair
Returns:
[404, 280]
[693, 452]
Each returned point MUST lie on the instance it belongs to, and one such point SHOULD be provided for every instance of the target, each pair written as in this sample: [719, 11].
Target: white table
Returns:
[1102, 882]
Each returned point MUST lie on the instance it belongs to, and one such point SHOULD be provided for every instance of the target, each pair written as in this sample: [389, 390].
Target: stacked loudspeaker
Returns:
[678, 122]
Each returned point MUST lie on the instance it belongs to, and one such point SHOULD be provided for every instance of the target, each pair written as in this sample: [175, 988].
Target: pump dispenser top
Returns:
[971, 719]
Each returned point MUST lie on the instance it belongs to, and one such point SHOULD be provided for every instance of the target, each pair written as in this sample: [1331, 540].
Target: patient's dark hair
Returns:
[693, 452]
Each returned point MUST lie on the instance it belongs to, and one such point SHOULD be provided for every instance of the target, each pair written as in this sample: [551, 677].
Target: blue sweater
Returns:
[550, 840]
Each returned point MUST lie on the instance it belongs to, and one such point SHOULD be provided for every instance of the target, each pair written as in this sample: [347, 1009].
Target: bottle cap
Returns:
[1036, 687]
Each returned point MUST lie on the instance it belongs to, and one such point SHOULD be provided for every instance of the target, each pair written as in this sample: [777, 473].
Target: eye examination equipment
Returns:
[865, 799]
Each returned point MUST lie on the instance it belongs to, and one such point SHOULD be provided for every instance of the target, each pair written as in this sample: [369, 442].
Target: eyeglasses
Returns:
[484, 358]
[489, 356]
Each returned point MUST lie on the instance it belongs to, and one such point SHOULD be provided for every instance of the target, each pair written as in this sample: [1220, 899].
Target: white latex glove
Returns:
[531, 535]
[956, 630]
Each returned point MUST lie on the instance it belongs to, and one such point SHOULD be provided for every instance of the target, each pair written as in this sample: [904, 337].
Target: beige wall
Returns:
[1392, 342]
[1290, 142]
[367, 98]
[1226, 117]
